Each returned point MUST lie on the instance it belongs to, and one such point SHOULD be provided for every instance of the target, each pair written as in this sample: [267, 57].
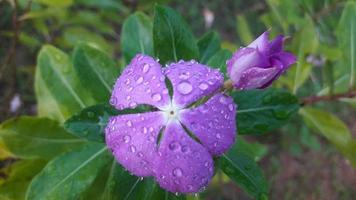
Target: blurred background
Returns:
[299, 160]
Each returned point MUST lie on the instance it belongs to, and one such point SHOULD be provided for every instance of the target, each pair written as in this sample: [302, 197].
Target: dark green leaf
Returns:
[218, 61]
[68, 175]
[245, 172]
[136, 36]
[32, 137]
[57, 86]
[96, 70]
[172, 37]
[90, 122]
[261, 111]
[254, 150]
[208, 45]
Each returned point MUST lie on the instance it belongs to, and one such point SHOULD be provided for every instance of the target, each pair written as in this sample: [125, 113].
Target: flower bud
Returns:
[260, 63]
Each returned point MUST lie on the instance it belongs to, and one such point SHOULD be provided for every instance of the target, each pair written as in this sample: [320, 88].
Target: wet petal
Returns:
[257, 77]
[261, 43]
[183, 165]
[213, 122]
[132, 138]
[191, 81]
[142, 82]
[244, 59]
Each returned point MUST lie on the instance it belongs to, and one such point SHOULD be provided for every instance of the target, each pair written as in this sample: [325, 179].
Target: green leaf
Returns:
[96, 70]
[172, 37]
[253, 150]
[136, 36]
[261, 111]
[333, 129]
[32, 137]
[346, 32]
[90, 122]
[17, 181]
[75, 35]
[208, 45]
[57, 86]
[116, 183]
[68, 175]
[245, 172]
[56, 3]
[218, 61]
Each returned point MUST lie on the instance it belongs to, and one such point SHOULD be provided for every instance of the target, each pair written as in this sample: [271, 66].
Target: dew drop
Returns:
[141, 178]
[156, 97]
[165, 91]
[189, 187]
[148, 90]
[151, 139]
[133, 104]
[218, 136]
[127, 138]
[203, 86]
[174, 146]
[139, 80]
[113, 100]
[129, 123]
[144, 130]
[128, 97]
[223, 100]
[231, 107]
[203, 108]
[177, 172]
[145, 68]
[184, 75]
[132, 149]
[129, 89]
[140, 154]
[127, 81]
[150, 129]
[185, 149]
[184, 87]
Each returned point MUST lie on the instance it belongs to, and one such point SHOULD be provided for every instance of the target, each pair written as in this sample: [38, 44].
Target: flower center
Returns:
[171, 113]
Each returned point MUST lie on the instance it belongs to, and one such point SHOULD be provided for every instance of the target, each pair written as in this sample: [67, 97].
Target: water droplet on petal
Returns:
[223, 100]
[184, 75]
[113, 100]
[177, 172]
[129, 89]
[231, 107]
[144, 130]
[203, 86]
[127, 138]
[127, 81]
[139, 80]
[174, 146]
[132, 149]
[189, 187]
[145, 68]
[184, 87]
[165, 91]
[129, 123]
[156, 97]
[140, 154]
[185, 149]
[133, 104]
[218, 136]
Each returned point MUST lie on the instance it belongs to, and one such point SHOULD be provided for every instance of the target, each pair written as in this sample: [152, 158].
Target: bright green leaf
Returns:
[32, 137]
[243, 30]
[56, 3]
[172, 37]
[218, 61]
[57, 86]
[68, 175]
[136, 36]
[96, 70]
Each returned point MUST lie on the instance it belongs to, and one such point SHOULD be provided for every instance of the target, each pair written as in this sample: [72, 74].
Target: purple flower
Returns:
[260, 63]
[158, 143]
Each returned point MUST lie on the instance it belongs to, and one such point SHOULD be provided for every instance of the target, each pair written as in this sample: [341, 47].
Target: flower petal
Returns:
[256, 78]
[213, 122]
[276, 45]
[191, 81]
[261, 43]
[244, 59]
[286, 58]
[142, 82]
[183, 165]
[132, 138]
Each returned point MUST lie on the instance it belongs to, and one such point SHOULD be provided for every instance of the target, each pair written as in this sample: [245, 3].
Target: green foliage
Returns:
[172, 38]
[242, 168]
[96, 70]
[333, 129]
[32, 137]
[68, 175]
[219, 59]
[208, 45]
[261, 111]
[136, 36]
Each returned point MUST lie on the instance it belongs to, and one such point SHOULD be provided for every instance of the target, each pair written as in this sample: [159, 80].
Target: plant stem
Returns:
[315, 99]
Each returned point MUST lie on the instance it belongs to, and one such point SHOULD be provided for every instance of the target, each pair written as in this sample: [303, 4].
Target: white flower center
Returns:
[171, 113]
